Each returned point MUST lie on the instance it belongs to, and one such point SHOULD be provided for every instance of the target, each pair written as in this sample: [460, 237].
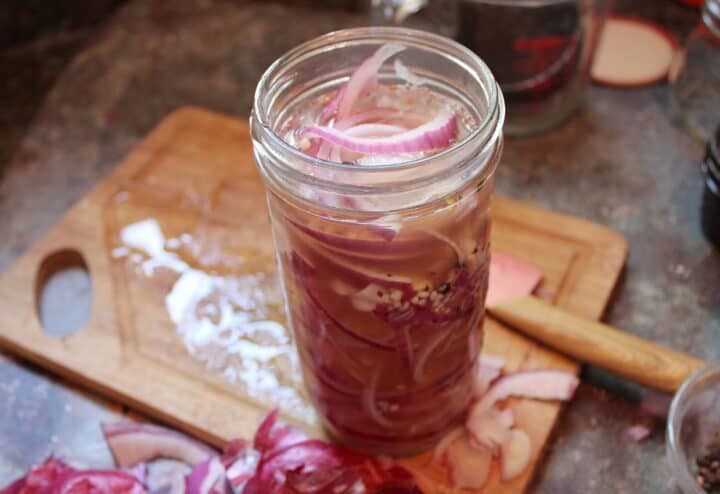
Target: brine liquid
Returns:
[421, 102]
[385, 312]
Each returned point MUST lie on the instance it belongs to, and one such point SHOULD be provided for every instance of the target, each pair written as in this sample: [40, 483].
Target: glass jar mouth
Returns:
[482, 133]
[678, 408]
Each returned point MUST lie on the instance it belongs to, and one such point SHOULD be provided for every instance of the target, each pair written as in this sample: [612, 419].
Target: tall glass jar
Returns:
[384, 267]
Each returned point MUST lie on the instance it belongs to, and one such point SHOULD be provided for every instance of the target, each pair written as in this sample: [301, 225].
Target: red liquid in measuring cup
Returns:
[539, 54]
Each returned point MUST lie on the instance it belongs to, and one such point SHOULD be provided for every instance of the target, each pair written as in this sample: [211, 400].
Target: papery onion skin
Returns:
[132, 443]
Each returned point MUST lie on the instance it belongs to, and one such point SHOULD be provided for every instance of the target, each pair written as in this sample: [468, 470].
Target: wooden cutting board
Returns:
[178, 247]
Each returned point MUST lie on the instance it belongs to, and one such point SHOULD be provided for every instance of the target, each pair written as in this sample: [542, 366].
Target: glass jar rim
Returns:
[330, 41]
[676, 414]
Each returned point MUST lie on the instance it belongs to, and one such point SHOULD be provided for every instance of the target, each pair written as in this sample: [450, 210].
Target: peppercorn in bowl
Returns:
[693, 433]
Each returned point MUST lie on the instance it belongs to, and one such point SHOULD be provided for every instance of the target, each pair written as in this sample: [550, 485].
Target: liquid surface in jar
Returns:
[369, 122]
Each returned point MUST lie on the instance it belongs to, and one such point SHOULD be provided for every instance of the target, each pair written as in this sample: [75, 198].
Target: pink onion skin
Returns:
[104, 481]
[140, 472]
[535, 384]
[272, 436]
[240, 461]
[53, 476]
[287, 465]
[207, 477]
[436, 134]
[41, 479]
[132, 443]
[242, 470]
[515, 455]
[15, 487]
[638, 433]
[490, 429]
[487, 370]
[234, 450]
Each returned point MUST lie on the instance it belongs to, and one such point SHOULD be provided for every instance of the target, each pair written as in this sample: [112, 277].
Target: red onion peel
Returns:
[132, 443]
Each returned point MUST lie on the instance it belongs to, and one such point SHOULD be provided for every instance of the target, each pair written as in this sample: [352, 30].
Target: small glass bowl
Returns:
[693, 426]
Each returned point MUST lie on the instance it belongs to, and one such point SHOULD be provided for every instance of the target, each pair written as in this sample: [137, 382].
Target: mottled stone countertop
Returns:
[620, 161]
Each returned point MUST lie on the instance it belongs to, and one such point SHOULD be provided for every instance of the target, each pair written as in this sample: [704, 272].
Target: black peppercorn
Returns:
[710, 209]
[708, 472]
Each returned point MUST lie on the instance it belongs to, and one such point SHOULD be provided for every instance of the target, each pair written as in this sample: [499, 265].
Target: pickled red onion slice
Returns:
[374, 130]
[361, 120]
[406, 118]
[364, 77]
[436, 134]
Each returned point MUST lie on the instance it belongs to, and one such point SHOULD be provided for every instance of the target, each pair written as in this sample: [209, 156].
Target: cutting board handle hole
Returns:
[63, 292]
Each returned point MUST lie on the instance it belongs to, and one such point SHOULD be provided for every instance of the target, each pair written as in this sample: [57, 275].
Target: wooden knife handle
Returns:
[599, 344]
